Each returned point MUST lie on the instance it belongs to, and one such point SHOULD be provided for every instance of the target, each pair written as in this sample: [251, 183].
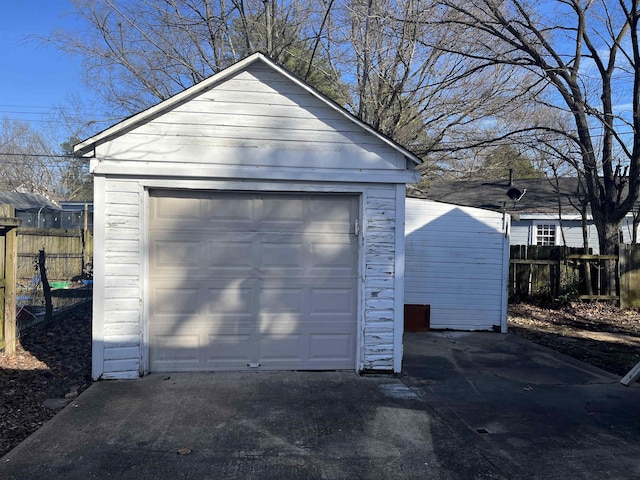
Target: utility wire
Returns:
[59, 155]
[34, 155]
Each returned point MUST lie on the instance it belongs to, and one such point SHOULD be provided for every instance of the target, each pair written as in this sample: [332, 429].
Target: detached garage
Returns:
[457, 265]
[247, 223]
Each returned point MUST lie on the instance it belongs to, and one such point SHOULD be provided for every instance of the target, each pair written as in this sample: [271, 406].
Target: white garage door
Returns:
[243, 281]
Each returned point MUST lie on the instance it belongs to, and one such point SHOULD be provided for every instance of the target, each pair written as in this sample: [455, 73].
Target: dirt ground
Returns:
[596, 333]
[50, 364]
[53, 365]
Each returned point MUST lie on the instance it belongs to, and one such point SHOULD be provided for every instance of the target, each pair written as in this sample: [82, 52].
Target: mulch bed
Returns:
[55, 362]
[52, 362]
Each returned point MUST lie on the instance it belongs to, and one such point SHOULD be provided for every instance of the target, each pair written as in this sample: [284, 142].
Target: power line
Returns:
[17, 105]
[90, 113]
[42, 107]
[37, 155]
[57, 122]
[79, 117]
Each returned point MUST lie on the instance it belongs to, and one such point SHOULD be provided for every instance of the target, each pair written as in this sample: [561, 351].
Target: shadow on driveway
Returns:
[468, 406]
[531, 412]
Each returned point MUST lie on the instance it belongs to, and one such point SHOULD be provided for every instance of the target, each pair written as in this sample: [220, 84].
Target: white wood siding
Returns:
[456, 261]
[256, 115]
[119, 308]
[379, 257]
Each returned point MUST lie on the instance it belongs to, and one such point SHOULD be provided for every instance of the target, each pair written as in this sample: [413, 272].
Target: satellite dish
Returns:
[515, 194]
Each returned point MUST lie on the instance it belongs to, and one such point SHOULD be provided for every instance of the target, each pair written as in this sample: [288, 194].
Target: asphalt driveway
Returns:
[468, 406]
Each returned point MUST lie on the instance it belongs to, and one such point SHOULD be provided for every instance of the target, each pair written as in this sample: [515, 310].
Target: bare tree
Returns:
[392, 53]
[408, 84]
[139, 52]
[584, 53]
[27, 161]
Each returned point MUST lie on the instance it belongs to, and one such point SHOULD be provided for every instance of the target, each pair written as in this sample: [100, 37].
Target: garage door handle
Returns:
[253, 365]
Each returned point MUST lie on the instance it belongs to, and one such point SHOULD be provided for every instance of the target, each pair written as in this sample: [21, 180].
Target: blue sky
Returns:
[35, 77]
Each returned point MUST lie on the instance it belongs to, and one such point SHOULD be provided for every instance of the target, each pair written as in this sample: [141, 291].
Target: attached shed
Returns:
[457, 261]
[247, 223]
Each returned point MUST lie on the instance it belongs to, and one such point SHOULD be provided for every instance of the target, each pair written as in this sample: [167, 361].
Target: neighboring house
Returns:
[457, 261]
[37, 211]
[247, 223]
[536, 218]
[76, 214]
[32, 209]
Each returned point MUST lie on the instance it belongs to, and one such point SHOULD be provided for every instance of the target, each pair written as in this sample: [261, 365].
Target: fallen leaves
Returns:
[596, 333]
[49, 364]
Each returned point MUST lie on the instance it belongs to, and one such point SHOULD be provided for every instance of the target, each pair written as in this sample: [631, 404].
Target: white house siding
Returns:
[523, 232]
[520, 233]
[456, 262]
[573, 235]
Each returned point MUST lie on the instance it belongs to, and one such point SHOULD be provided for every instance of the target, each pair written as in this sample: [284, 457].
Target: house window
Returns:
[545, 235]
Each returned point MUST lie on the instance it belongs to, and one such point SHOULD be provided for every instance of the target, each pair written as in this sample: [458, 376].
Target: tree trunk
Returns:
[46, 288]
[609, 239]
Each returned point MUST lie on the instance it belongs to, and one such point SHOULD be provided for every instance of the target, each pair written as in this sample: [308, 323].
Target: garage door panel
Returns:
[229, 300]
[334, 347]
[329, 215]
[231, 254]
[331, 207]
[169, 254]
[176, 349]
[281, 348]
[332, 301]
[281, 300]
[225, 348]
[281, 213]
[229, 209]
[281, 255]
[255, 278]
[333, 256]
[175, 300]
[175, 207]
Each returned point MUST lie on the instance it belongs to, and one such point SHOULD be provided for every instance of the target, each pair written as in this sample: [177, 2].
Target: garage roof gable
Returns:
[115, 131]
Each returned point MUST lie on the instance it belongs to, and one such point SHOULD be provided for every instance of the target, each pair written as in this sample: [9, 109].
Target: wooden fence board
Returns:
[10, 277]
[8, 260]
[629, 268]
[548, 271]
[67, 250]
[556, 271]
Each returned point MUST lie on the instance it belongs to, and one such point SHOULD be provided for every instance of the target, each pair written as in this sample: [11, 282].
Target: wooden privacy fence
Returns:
[573, 272]
[68, 252]
[8, 262]
[22, 257]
